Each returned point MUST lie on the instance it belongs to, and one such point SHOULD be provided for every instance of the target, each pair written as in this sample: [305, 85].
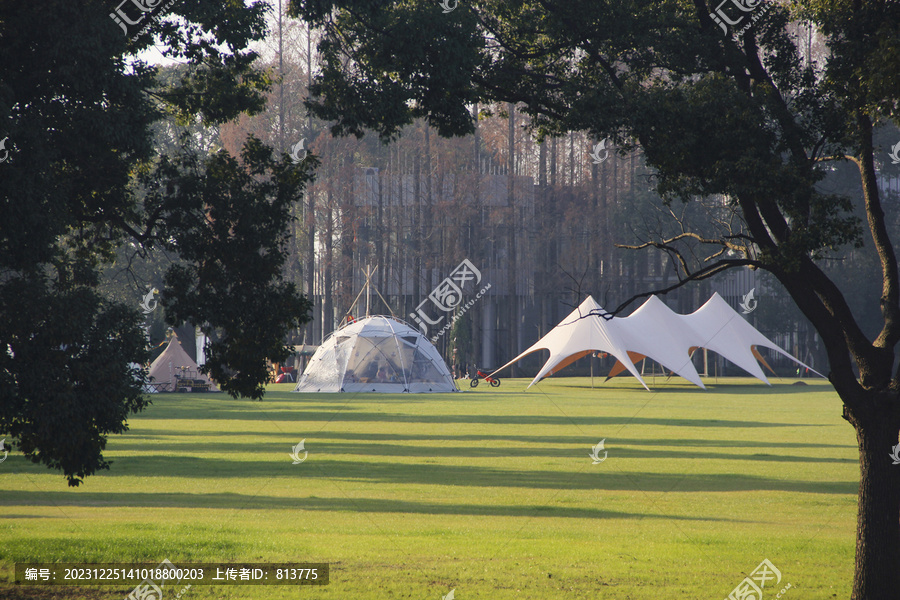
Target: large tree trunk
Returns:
[877, 575]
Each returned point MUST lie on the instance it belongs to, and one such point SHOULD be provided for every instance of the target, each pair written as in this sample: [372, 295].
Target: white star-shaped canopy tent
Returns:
[655, 331]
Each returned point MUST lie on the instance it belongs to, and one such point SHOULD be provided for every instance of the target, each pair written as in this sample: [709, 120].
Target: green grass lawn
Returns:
[491, 492]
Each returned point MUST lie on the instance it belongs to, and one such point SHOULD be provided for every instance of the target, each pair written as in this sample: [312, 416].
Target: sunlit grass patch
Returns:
[491, 492]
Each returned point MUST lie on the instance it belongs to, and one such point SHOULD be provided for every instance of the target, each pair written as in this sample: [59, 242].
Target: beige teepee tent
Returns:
[174, 370]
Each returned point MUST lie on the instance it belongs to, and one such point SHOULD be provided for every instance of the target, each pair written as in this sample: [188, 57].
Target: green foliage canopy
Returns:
[83, 179]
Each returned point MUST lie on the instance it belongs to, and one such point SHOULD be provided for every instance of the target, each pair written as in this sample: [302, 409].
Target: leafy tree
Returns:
[744, 114]
[77, 106]
[227, 220]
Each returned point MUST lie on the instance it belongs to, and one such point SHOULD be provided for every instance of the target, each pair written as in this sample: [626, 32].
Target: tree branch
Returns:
[890, 291]
[704, 273]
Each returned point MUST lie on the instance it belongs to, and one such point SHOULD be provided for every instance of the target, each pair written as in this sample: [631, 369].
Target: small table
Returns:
[159, 386]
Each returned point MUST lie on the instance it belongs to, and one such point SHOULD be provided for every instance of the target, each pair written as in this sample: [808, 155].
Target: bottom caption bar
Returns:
[150, 576]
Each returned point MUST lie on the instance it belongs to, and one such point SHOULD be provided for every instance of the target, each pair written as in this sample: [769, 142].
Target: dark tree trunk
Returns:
[877, 573]
[327, 304]
[512, 229]
[419, 241]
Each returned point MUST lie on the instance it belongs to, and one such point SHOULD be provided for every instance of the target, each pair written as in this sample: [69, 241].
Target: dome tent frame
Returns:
[376, 354]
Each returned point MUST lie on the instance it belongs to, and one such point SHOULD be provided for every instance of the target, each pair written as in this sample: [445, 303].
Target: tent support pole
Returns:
[368, 294]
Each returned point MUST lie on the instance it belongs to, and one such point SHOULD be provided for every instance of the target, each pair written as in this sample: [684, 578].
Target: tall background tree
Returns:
[729, 104]
[83, 179]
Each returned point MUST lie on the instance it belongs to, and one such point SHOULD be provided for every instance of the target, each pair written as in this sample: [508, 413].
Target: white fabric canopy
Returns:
[656, 332]
[582, 332]
[376, 354]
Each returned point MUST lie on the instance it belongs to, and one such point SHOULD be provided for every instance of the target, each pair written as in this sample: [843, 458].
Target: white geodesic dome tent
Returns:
[376, 354]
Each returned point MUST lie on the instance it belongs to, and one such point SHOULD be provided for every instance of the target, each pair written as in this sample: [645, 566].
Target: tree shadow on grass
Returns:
[243, 414]
[170, 439]
[447, 447]
[430, 472]
[228, 500]
[34, 592]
